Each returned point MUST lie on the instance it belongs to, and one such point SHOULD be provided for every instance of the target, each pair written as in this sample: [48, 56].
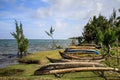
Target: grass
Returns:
[26, 71]
[40, 57]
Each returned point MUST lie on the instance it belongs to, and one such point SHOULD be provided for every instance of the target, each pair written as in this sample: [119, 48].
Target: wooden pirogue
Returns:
[68, 60]
[67, 70]
[84, 51]
[68, 56]
[83, 46]
[66, 67]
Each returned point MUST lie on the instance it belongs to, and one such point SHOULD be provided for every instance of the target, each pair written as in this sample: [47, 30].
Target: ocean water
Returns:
[8, 47]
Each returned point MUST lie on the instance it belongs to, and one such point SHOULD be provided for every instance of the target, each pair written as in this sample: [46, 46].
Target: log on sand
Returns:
[62, 71]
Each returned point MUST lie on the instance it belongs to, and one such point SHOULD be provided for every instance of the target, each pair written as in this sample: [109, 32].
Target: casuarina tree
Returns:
[50, 33]
[22, 42]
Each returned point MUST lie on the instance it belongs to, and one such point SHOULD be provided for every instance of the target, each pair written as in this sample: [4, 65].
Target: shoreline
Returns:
[7, 60]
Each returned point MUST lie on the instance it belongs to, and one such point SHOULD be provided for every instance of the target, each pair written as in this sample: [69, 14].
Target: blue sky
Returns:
[68, 17]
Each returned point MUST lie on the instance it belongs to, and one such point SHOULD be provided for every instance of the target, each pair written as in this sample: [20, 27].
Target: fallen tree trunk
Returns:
[61, 71]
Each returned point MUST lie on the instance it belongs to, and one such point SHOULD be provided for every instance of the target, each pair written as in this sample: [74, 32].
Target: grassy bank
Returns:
[26, 71]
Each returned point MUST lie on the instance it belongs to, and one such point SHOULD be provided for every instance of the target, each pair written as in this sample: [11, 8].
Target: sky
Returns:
[67, 17]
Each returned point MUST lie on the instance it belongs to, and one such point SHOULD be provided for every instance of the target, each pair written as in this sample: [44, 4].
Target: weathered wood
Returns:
[82, 69]
[57, 60]
[77, 64]
[61, 71]
[66, 65]
[82, 47]
[81, 51]
[68, 60]
[67, 56]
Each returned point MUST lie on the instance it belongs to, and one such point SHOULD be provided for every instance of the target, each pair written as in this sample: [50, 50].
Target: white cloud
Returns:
[118, 0]
[44, 13]
[81, 9]
[71, 9]
[76, 10]
[68, 17]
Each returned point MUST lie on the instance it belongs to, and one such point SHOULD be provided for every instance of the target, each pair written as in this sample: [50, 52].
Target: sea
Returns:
[8, 48]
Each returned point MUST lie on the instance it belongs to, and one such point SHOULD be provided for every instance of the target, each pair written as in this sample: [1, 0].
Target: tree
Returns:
[90, 33]
[100, 37]
[20, 39]
[109, 39]
[102, 30]
[50, 33]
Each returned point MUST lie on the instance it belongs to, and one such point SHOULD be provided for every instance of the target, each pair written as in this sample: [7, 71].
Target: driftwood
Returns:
[61, 71]
[67, 56]
[68, 60]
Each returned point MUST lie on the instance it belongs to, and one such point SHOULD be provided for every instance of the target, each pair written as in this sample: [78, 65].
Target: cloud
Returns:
[68, 17]
[79, 9]
[71, 9]
[118, 0]
[76, 10]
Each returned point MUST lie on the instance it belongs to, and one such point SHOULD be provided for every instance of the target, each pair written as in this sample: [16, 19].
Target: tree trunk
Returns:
[117, 53]
[109, 48]
[18, 52]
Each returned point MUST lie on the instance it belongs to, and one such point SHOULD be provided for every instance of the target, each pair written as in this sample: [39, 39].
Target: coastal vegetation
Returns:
[99, 30]
[103, 31]
[50, 33]
[26, 71]
[22, 42]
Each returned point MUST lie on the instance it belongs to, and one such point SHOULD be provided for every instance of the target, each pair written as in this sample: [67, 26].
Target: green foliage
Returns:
[99, 35]
[109, 37]
[101, 30]
[50, 33]
[20, 38]
[91, 33]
